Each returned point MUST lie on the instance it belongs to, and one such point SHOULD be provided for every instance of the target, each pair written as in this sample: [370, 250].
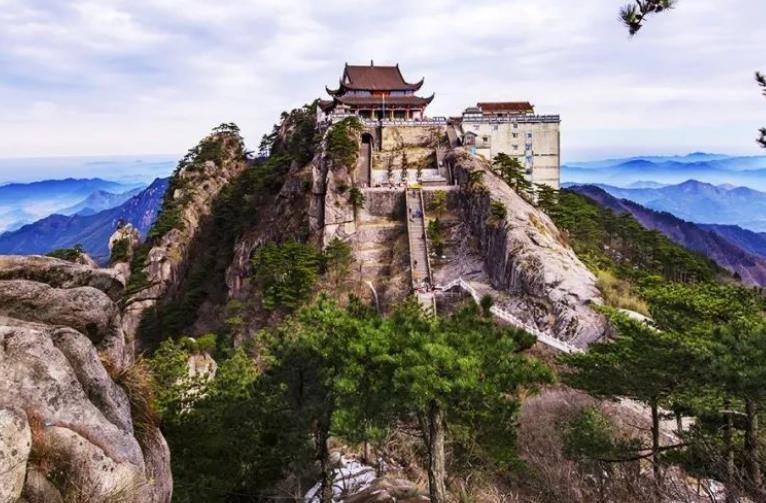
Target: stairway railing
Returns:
[510, 318]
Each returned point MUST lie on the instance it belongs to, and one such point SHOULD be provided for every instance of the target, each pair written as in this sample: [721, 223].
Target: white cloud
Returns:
[84, 77]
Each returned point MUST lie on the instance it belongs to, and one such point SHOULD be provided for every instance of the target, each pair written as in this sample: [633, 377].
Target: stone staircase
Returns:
[420, 262]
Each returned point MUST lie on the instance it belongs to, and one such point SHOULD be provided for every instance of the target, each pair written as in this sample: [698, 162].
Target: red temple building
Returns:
[376, 92]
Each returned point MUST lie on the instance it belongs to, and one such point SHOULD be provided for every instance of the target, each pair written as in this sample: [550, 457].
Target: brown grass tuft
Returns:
[617, 293]
[138, 382]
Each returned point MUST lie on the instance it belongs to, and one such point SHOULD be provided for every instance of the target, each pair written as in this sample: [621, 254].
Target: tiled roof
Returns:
[507, 106]
[373, 78]
[376, 78]
[388, 101]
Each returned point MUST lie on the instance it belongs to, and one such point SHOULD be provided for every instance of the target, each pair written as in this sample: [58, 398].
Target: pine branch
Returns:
[633, 15]
[639, 457]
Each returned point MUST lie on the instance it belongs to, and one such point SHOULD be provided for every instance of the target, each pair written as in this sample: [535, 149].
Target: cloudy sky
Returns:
[129, 77]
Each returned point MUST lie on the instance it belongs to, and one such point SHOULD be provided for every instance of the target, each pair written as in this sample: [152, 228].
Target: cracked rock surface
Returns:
[68, 430]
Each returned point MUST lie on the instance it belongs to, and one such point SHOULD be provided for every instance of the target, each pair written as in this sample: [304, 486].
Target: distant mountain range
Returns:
[99, 201]
[124, 169]
[92, 231]
[22, 203]
[715, 169]
[700, 202]
[738, 250]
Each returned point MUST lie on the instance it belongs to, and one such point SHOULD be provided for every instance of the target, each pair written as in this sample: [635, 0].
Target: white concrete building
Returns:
[513, 128]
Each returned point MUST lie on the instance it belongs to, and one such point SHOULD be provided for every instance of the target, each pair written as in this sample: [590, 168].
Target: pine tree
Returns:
[547, 199]
[286, 273]
[463, 370]
[513, 173]
[641, 363]
[439, 203]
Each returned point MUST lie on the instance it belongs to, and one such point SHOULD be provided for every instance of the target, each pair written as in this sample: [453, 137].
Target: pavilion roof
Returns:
[374, 78]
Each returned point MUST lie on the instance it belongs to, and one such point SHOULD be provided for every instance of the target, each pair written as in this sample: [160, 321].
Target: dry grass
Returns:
[618, 293]
[550, 476]
[138, 382]
[72, 478]
[84, 491]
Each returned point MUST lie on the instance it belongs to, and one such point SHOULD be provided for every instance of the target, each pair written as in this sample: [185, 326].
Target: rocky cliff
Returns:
[71, 405]
[74, 398]
[526, 258]
[310, 193]
[159, 268]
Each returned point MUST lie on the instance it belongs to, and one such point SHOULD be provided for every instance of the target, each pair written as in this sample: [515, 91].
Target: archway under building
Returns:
[364, 165]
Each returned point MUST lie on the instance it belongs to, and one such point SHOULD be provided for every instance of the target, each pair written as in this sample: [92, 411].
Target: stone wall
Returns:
[383, 204]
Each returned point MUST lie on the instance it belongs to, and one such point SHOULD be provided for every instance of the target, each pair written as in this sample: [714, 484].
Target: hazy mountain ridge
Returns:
[711, 168]
[723, 248]
[700, 202]
[99, 201]
[754, 242]
[91, 231]
[23, 203]
[123, 169]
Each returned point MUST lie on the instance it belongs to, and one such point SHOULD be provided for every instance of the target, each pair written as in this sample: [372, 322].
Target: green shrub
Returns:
[120, 251]
[138, 280]
[497, 212]
[342, 146]
[356, 198]
[286, 273]
[486, 304]
[435, 236]
[206, 343]
[72, 254]
[439, 202]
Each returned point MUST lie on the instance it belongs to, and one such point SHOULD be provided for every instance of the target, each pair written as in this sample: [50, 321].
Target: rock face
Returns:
[386, 490]
[339, 219]
[526, 257]
[126, 233]
[15, 444]
[194, 191]
[60, 273]
[68, 426]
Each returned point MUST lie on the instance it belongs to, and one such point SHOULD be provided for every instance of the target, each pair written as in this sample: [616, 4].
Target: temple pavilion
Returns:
[376, 92]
